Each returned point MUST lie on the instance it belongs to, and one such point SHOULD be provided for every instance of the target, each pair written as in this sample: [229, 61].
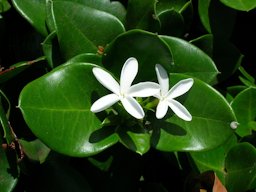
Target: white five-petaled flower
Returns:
[125, 92]
[166, 97]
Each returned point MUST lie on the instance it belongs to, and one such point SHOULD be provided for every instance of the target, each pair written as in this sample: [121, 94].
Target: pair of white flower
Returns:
[125, 92]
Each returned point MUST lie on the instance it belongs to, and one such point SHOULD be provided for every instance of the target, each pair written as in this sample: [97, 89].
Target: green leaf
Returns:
[214, 159]
[51, 50]
[216, 18]
[175, 16]
[17, 68]
[211, 115]
[8, 176]
[247, 75]
[56, 107]
[83, 30]
[138, 141]
[205, 43]
[35, 150]
[139, 44]
[163, 5]
[141, 141]
[244, 107]
[103, 166]
[4, 6]
[86, 58]
[234, 90]
[241, 5]
[113, 7]
[241, 168]
[172, 23]
[203, 10]
[190, 60]
[141, 15]
[34, 11]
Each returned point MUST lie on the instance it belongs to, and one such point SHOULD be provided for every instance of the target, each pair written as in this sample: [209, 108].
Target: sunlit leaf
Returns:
[244, 107]
[188, 59]
[203, 132]
[61, 101]
[83, 30]
[241, 5]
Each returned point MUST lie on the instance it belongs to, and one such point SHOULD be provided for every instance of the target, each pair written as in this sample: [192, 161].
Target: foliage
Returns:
[51, 138]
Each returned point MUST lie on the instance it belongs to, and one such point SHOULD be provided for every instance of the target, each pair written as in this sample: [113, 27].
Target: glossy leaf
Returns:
[241, 168]
[139, 44]
[141, 15]
[35, 150]
[214, 159]
[208, 121]
[83, 30]
[244, 107]
[242, 5]
[34, 12]
[138, 142]
[113, 7]
[86, 58]
[188, 59]
[203, 10]
[61, 101]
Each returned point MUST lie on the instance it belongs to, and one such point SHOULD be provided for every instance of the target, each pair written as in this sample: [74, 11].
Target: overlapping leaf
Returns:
[61, 102]
[244, 107]
[34, 11]
[188, 59]
[82, 29]
[211, 115]
[241, 5]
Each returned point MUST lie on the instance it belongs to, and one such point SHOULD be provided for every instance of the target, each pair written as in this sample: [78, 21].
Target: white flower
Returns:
[166, 97]
[125, 92]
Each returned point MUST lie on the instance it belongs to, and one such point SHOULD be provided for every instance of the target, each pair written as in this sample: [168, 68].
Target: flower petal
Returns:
[179, 110]
[128, 74]
[161, 109]
[133, 107]
[106, 80]
[163, 79]
[104, 103]
[144, 89]
[180, 88]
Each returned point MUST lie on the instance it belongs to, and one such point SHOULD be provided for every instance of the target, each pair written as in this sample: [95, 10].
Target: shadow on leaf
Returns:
[101, 134]
[126, 139]
[168, 127]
